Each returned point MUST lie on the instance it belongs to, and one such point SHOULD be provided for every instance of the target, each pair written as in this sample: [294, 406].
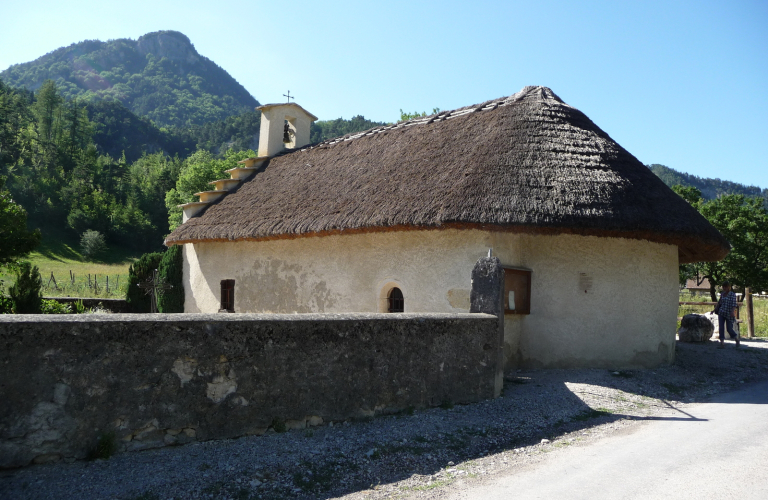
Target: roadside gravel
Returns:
[411, 455]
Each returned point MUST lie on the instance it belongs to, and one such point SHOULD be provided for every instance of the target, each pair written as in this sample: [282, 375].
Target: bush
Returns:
[92, 243]
[106, 446]
[25, 293]
[139, 272]
[170, 270]
[6, 304]
[79, 307]
[54, 307]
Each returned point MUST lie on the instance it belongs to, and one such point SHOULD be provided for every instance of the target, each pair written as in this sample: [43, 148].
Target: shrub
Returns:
[106, 446]
[92, 243]
[139, 272]
[54, 307]
[278, 424]
[25, 293]
[172, 301]
[78, 306]
[6, 304]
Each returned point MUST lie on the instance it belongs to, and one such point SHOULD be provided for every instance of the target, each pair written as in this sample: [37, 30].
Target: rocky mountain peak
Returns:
[169, 44]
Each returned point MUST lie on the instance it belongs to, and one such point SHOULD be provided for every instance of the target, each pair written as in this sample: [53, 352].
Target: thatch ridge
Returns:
[526, 163]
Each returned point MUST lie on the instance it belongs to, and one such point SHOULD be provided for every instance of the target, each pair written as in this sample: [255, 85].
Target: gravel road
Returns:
[419, 454]
[657, 459]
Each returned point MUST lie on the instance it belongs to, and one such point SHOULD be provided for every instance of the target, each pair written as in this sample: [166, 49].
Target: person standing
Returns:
[726, 314]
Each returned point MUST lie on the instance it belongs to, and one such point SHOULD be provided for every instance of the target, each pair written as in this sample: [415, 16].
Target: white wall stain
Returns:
[223, 384]
[184, 369]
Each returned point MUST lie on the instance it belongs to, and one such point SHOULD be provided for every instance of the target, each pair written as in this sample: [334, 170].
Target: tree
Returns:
[15, 117]
[25, 293]
[139, 272]
[47, 111]
[15, 240]
[198, 170]
[689, 193]
[92, 243]
[6, 304]
[324, 130]
[170, 270]
[404, 116]
[744, 223]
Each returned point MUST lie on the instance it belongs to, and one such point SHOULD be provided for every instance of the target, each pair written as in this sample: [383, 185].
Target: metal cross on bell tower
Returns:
[154, 287]
[289, 96]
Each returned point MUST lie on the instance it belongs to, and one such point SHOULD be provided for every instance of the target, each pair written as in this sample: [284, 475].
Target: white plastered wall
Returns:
[625, 320]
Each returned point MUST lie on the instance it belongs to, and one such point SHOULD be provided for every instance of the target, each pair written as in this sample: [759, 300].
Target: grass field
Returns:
[60, 255]
[759, 306]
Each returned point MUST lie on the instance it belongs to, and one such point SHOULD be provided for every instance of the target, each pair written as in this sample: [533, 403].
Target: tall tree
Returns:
[15, 117]
[198, 170]
[744, 223]
[15, 240]
[47, 111]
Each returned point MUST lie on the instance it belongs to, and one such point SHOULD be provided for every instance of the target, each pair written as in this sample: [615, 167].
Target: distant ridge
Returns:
[159, 76]
[710, 188]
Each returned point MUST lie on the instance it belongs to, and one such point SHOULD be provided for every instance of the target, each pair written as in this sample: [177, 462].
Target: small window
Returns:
[396, 301]
[517, 291]
[228, 295]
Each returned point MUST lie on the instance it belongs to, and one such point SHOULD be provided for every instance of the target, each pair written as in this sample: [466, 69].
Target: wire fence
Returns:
[85, 285]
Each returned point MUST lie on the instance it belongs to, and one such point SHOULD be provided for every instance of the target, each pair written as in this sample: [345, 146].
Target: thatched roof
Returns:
[525, 163]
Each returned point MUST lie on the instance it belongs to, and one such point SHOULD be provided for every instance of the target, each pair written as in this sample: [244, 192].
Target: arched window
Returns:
[396, 301]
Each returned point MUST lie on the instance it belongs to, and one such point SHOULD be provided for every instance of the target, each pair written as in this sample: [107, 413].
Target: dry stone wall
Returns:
[155, 380]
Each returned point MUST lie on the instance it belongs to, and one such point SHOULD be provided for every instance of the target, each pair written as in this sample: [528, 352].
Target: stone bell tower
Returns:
[283, 126]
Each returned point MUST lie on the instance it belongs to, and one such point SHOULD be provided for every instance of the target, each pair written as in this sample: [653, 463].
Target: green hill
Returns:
[710, 188]
[324, 130]
[160, 76]
[118, 131]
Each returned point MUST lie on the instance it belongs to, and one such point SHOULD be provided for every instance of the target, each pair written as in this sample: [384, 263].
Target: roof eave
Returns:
[690, 248]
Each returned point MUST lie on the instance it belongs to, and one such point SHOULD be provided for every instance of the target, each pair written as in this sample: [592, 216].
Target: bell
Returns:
[286, 134]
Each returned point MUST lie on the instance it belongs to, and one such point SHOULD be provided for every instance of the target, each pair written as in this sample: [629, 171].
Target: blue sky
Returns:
[681, 83]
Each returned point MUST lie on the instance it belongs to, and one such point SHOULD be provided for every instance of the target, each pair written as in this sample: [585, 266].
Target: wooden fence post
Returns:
[750, 312]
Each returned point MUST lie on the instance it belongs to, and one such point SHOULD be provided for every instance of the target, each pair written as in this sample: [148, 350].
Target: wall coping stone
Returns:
[229, 317]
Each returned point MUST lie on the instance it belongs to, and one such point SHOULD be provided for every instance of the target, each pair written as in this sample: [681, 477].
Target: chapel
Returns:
[393, 220]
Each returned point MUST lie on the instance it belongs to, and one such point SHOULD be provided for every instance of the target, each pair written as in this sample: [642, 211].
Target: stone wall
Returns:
[156, 380]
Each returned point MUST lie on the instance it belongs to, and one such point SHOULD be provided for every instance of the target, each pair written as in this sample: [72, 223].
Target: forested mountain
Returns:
[112, 136]
[160, 76]
[323, 130]
[99, 167]
[53, 169]
[710, 188]
[118, 131]
[237, 133]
